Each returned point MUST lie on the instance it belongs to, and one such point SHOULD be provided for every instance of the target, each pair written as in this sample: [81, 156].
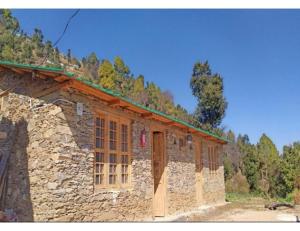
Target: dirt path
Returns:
[248, 211]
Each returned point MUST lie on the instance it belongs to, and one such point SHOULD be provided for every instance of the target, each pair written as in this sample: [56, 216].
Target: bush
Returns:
[237, 184]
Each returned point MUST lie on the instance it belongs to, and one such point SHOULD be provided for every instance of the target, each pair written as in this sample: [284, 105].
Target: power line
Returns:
[62, 35]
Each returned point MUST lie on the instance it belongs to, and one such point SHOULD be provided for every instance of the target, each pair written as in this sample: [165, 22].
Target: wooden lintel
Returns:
[147, 115]
[113, 102]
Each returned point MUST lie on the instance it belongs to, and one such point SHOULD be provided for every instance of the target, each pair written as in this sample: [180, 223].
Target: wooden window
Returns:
[112, 152]
[212, 159]
[112, 168]
[99, 163]
[182, 144]
[113, 135]
[124, 154]
[99, 168]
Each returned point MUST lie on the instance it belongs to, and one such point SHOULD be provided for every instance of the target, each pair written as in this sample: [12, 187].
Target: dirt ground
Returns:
[247, 211]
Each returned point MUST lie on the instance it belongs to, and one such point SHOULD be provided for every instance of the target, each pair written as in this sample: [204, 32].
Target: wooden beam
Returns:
[170, 123]
[4, 93]
[60, 78]
[113, 102]
[18, 71]
[147, 115]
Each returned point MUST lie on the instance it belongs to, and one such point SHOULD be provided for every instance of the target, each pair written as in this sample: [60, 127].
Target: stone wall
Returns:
[213, 184]
[181, 189]
[51, 163]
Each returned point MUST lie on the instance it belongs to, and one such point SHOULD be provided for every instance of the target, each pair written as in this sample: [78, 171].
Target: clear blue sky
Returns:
[256, 51]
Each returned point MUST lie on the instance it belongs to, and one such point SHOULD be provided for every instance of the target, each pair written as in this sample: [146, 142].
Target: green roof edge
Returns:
[117, 94]
[111, 92]
[37, 67]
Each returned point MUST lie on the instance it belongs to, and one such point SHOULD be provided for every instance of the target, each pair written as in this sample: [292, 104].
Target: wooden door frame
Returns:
[158, 128]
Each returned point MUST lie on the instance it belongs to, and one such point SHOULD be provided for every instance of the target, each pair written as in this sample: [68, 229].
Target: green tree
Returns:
[121, 68]
[291, 167]
[269, 162]
[107, 75]
[251, 166]
[37, 39]
[231, 136]
[90, 66]
[228, 168]
[208, 89]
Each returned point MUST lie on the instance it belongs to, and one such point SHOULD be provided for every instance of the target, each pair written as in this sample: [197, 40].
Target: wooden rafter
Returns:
[147, 115]
[170, 123]
[4, 93]
[114, 102]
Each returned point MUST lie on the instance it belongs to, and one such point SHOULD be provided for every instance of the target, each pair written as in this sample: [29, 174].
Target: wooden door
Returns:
[199, 168]
[159, 174]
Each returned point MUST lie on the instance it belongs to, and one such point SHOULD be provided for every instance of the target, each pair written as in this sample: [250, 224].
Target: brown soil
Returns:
[248, 211]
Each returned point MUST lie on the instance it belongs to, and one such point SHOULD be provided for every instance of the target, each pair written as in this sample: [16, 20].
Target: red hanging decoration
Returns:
[143, 138]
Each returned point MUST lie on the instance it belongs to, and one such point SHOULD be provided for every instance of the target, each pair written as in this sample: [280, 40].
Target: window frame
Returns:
[212, 159]
[118, 138]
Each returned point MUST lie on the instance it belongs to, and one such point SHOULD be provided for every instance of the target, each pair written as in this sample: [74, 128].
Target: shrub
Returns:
[237, 184]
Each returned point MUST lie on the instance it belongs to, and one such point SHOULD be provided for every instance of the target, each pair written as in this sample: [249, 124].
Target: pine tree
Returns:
[107, 75]
[208, 89]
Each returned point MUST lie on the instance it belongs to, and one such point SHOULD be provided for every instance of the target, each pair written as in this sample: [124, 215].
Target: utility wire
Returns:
[61, 36]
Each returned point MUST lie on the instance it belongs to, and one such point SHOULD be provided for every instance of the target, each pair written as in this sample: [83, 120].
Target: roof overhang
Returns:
[68, 80]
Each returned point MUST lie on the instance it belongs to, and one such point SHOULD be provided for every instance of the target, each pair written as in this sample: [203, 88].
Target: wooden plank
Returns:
[18, 71]
[147, 115]
[6, 92]
[60, 78]
[113, 102]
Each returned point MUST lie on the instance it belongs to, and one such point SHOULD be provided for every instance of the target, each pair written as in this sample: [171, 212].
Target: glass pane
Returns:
[101, 145]
[112, 168]
[97, 179]
[101, 168]
[97, 157]
[97, 168]
[111, 158]
[124, 159]
[97, 143]
[102, 157]
[102, 123]
[112, 179]
[124, 179]
[97, 121]
[98, 132]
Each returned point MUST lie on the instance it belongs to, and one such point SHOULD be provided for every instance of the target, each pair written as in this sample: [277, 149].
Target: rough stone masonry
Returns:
[52, 158]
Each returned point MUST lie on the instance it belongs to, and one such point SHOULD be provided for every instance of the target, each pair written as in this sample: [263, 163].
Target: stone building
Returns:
[78, 152]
